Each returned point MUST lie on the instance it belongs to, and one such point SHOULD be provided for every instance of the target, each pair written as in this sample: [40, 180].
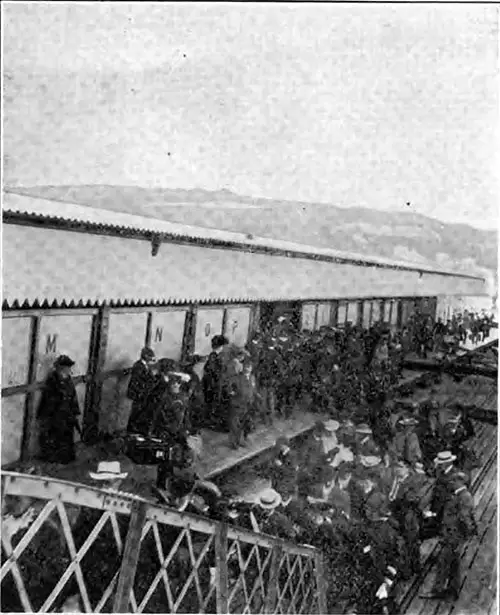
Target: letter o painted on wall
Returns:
[208, 328]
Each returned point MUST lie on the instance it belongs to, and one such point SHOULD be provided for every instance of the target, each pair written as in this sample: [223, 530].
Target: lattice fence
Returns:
[118, 553]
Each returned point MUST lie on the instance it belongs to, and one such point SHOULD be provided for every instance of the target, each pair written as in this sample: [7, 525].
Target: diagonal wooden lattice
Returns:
[255, 573]
[295, 581]
[77, 556]
[258, 572]
[197, 555]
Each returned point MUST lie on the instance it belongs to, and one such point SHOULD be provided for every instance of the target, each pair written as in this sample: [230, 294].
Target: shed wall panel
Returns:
[63, 334]
[16, 342]
[126, 338]
[323, 315]
[167, 333]
[115, 406]
[394, 312]
[208, 324]
[13, 411]
[237, 325]
[353, 311]
[308, 316]
[112, 268]
[342, 314]
[367, 307]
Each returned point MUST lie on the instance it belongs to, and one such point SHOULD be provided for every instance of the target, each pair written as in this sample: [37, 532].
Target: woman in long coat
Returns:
[57, 413]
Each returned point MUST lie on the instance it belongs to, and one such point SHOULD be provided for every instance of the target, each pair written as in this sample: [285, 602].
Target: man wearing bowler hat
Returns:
[140, 384]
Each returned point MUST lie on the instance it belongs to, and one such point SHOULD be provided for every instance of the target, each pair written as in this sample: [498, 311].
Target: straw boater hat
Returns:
[369, 461]
[407, 420]
[331, 425]
[269, 499]
[444, 457]
[108, 470]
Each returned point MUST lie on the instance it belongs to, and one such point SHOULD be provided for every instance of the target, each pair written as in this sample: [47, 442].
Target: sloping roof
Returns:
[17, 206]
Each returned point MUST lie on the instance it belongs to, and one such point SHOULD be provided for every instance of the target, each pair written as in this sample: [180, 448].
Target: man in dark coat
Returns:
[458, 526]
[409, 497]
[213, 384]
[242, 401]
[57, 412]
[384, 548]
[141, 382]
[445, 472]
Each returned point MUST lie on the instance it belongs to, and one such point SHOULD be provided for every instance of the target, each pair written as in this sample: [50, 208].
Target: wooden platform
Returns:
[479, 590]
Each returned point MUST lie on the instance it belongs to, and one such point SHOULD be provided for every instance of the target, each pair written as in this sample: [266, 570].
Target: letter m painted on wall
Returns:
[158, 334]
[51, 344]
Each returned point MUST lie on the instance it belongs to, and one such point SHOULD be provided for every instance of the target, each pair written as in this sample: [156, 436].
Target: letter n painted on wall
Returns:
[158, 334]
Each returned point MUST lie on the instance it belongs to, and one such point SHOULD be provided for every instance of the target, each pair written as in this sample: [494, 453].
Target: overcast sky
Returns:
[370, 105]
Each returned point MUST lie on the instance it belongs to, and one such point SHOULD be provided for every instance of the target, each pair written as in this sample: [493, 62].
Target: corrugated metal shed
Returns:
[52, 265]
[17, 205]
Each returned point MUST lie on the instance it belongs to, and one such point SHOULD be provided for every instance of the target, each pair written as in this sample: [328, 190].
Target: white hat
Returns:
[331, 425]
[369, 461]
[444, 457]
[269, 499]
[108, 470]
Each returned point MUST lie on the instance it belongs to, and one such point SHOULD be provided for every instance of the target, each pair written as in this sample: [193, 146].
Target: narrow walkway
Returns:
[478, 592]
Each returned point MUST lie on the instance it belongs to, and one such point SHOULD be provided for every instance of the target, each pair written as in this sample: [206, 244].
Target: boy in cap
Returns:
[140, 384]
[58, 411]
[312, 457]
[285, 467]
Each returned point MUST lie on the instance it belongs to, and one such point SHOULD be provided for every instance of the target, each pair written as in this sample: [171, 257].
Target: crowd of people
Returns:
[371, 482]
[424, 335]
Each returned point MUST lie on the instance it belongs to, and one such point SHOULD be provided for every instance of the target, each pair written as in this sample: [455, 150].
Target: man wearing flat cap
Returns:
[57, 412]
[406, 445]
[140, 384]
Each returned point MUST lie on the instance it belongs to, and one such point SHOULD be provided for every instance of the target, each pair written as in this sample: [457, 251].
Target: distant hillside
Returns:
[397, 235]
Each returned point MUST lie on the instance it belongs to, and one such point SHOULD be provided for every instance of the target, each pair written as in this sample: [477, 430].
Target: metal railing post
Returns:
[321, 583]
[272, 588]
[130, 558]
[221, 551]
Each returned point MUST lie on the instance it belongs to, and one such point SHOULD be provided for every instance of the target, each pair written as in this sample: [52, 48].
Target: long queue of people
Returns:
[424, 335]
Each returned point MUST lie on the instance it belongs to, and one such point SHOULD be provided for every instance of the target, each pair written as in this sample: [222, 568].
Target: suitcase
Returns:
[147, 450]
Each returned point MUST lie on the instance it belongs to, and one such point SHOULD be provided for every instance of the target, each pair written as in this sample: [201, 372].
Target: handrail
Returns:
[249, 566]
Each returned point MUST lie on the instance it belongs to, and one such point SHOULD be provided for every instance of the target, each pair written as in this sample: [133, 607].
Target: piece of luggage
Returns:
[147, 450]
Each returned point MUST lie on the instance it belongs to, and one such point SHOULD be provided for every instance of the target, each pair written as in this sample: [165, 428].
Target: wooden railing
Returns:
[120, 553]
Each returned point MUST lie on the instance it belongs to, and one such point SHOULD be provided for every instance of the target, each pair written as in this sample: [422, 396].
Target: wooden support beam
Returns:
[130, 558]
[272, 589]
[222, 588]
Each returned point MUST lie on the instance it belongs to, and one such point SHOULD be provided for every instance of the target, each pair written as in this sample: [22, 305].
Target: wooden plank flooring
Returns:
[478, 592]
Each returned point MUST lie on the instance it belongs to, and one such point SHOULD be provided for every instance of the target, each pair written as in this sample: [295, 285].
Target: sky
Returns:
[370, 105]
